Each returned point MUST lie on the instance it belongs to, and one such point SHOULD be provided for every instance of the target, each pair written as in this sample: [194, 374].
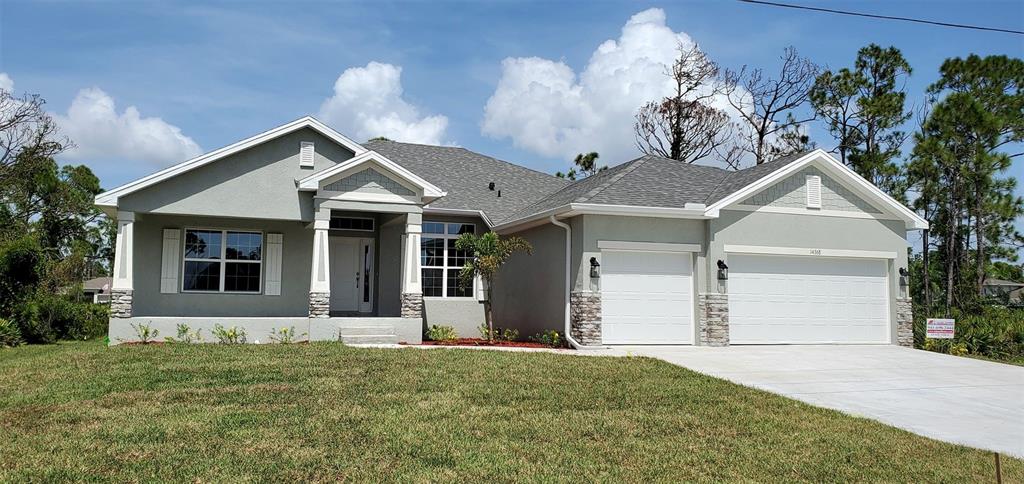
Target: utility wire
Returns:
[886, 17]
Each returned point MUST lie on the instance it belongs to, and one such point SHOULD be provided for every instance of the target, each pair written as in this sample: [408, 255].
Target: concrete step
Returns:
[385, 329]
[369, 339]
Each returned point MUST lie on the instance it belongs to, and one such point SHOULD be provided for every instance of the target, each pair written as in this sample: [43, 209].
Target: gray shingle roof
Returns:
[648, 181]
[465, 176]
[653, 181]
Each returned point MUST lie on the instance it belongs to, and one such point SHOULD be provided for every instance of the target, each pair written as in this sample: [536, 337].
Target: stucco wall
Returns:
[792, 193]
[148, 244]
[255, 183]
[531, 288]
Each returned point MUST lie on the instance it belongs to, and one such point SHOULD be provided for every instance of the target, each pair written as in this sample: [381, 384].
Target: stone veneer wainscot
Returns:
[713, 311]
[585, 317]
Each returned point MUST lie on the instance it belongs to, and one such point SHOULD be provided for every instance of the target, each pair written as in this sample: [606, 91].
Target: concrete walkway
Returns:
[954, 399]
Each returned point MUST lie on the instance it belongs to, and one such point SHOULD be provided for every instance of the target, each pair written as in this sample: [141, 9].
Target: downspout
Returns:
[568, 279]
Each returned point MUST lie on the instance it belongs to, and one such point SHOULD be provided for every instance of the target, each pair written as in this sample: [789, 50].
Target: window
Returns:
[441, 262]
[222, 261]
[352, 223]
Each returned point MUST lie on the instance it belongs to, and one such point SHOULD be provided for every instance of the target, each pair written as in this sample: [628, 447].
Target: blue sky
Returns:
[153, 83]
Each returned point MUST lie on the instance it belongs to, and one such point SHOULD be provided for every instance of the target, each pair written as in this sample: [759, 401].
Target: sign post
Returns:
[940, 328]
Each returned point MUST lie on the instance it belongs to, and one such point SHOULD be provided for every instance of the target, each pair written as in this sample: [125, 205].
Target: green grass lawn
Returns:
[327, 412]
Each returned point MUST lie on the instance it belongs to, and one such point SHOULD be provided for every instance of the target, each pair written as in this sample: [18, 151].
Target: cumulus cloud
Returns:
[367, 102]
[101, 133]
[6, 83]
[543, 106]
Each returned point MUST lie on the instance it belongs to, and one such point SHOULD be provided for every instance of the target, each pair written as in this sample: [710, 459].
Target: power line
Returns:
[886, 17]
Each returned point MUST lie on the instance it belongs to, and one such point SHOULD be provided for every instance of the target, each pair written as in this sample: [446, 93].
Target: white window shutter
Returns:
[306, 153]
[272, 263]
[813, 191]
[170, 261]
[481, 288]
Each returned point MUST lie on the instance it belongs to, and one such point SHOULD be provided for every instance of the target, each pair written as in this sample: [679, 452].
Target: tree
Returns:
[490, 252]
[958, 165]
[864, 109]
[587, 165]
[684, 126]
[766, 106]
[25, 126]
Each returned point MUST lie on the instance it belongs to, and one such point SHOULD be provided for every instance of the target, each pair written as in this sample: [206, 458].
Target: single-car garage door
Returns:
[646, 297]
[807, 300]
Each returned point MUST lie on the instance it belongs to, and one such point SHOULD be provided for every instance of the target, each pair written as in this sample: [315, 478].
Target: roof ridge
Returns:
[612, 179]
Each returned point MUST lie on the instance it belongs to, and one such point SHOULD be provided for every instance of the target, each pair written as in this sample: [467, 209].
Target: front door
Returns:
[351, 274]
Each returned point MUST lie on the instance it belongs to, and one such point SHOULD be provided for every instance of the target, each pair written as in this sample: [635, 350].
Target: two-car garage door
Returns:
[647, 298]
[788, 299]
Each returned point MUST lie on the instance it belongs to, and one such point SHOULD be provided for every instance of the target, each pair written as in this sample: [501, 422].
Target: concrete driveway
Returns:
[954, 399]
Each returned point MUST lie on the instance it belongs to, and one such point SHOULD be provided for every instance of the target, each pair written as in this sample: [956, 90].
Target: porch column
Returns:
[320, 272]
[122, 287]
[412, 286]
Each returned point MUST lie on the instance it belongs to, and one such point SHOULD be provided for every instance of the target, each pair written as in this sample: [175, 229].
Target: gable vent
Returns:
[306, 153]
[813, 191]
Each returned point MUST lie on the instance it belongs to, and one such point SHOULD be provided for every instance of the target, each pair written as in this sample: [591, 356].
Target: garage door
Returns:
[646, 297]
[780, 299]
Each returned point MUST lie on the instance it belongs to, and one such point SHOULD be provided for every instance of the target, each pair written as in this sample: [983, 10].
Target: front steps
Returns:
[364, 334]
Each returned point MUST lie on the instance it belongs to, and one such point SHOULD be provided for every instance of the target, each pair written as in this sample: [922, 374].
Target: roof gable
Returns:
[342, 170]
[109, 198]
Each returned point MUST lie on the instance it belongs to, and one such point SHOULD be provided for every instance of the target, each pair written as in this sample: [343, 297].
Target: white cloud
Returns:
[101, 133]
[544, 107]
[367, 102]
[6, 83]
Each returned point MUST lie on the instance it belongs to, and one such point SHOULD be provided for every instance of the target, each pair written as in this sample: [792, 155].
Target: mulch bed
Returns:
[483, 342]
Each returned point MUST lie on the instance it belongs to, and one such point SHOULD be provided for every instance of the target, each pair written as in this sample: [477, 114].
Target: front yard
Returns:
[329, 412]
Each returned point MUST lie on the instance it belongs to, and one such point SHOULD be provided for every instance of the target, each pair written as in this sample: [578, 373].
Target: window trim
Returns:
[223, 261]
[445, 267]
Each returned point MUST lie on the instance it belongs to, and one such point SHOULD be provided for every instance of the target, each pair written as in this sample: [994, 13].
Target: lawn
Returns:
[328, 412]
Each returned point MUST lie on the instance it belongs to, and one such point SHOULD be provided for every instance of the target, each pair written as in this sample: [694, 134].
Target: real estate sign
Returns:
[940, 328]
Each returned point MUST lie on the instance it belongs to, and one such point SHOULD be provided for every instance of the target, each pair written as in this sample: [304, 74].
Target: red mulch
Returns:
[483, 342]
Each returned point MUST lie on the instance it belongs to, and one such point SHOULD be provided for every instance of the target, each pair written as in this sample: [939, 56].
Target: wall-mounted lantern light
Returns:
[595, 268]
[723, 271]
[904, 277]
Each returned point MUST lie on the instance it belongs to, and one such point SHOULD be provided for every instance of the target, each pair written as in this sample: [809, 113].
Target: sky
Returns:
[139, 86]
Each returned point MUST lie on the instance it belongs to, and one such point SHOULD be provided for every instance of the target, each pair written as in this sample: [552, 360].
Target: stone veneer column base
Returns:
[319, 304]
[412, 305]
[120, 303]
[713, 311]
[585, 317]
[905, 323]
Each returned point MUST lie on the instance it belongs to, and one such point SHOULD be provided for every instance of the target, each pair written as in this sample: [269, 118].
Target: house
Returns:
[1012, 292]
[302, 227]
[97, 289]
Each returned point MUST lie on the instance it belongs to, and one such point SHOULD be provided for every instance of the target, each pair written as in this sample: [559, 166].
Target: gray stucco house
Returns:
[302, 227]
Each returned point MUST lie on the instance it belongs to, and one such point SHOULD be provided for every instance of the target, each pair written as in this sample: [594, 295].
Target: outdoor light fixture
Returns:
[904, 277]
[595, 268]
[723, 271]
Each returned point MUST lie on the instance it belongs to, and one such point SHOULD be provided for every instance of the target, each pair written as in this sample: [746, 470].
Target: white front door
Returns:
[808, 300]
[351, 274]
[646, 297]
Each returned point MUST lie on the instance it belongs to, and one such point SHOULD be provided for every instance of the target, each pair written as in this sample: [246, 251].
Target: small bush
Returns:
[441, 333]
[283, 335]
[48, 318]
[995, 332]
[506, 334]
[10, 335]
[186, 335]
[145, 333]
[231, 336]
[550, 338]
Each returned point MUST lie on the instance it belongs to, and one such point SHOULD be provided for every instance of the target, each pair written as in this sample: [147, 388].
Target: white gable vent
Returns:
[813, 191]
[306, 153]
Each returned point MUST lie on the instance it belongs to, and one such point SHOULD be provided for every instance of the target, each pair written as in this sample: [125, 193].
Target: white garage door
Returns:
[646, 297]
[780, 299]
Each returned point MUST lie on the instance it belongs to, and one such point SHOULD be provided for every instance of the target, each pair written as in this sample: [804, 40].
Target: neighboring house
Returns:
[97, 289]
[1000, 288]
[300, 226]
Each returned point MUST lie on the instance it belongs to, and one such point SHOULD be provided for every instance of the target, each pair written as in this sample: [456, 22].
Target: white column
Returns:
[123, 250]
[320, 275]
[411, 283]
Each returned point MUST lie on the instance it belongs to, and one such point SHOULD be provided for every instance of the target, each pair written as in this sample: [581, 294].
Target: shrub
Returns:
[48, 318]
[10, 335]
[994, 332]
[232, 335]
[441, 333]
[506, 334]
[550, 337]
[283, 335]
[186, 335]
[145, 333]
